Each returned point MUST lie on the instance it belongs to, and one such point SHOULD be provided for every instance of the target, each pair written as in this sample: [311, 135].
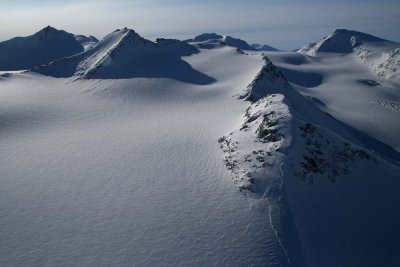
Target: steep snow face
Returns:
[264, 47]
[125, 54]
[43, 47]
[213, 40]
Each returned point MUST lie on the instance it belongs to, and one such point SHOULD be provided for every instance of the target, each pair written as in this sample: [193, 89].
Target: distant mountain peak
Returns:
[264, 47]
[206, 36]
[341, 41]
[44, 46]
[51, 33]
[213, 40]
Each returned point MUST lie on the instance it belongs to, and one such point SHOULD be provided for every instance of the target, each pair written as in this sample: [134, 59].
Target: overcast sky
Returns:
[285, 24]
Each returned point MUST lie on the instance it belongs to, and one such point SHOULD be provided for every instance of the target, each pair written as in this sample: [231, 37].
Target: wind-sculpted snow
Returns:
[127, 172]
[49, 44]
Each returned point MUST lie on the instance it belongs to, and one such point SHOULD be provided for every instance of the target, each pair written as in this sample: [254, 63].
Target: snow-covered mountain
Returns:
[125, 54]
[382, 55]
[297, 157]
[264, 47]
[347, 41]
[212, 40]
[124, 154]
[43, 47]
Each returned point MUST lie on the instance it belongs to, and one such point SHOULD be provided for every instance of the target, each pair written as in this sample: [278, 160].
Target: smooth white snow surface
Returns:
[127, 172]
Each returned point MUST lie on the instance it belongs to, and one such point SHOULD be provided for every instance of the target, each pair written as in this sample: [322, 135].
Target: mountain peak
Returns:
[42, 47]
[356, 34]
[342, 41]
[206, 36]
[49, 28]
[264, 47]
[48, 31]
[212, 40]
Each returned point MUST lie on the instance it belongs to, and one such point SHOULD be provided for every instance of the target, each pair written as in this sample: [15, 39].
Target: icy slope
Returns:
[125, 54]
[317, 171]
[43, 47]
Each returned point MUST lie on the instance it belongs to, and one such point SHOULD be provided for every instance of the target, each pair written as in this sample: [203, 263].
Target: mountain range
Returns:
[208, 151]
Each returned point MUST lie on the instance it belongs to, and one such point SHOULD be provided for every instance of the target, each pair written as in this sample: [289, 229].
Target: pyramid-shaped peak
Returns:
[49, 29]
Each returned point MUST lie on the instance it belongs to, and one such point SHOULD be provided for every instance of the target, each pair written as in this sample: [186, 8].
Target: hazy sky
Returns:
[285, 24]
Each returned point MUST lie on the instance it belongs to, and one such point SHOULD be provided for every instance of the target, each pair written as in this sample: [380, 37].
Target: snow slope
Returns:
[48, 44]
[309, 167]
[122, 172]
[170, 153]
[337, 83]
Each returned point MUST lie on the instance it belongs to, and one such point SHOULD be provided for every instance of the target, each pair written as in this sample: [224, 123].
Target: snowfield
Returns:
[127, 172]
[205, 152]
